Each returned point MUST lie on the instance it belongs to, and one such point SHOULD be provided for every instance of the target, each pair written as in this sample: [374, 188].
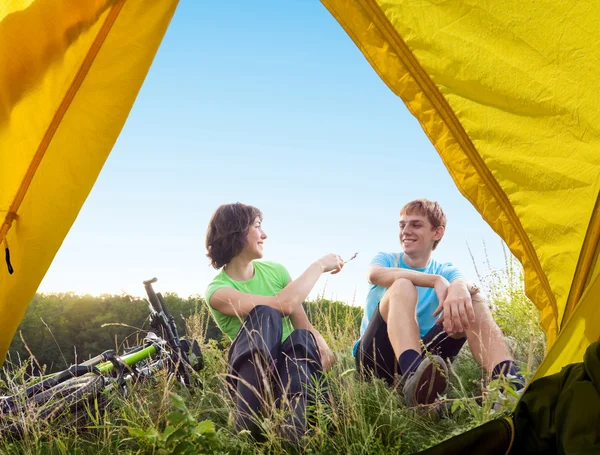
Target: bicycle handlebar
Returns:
[165, 320]
[154, 301]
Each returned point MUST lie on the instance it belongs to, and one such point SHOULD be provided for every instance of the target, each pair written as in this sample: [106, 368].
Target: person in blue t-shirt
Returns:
[415, 302]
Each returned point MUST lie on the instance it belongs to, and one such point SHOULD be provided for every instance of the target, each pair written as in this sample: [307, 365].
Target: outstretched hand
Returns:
[332, 263]
[328, 358]
[456, 309]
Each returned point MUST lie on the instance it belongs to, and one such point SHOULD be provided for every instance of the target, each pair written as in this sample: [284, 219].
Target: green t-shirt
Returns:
[268, 280]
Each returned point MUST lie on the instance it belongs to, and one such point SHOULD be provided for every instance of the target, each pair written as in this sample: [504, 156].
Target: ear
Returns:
[439, 232]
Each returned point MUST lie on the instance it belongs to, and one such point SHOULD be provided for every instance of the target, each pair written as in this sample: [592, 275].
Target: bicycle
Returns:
[70, 390]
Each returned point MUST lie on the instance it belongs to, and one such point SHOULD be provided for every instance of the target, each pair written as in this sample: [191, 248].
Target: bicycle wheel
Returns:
[62, 401]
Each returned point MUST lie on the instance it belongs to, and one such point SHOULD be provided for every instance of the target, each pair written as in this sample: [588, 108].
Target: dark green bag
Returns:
[558, 414]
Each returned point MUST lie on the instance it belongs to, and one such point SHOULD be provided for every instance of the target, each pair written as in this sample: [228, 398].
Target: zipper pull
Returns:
[7, 257]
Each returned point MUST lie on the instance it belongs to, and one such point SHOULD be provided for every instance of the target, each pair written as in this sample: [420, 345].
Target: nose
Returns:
[263, 234]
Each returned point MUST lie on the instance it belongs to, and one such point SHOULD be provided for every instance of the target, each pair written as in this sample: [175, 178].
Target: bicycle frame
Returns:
[109, 362]
[109, 370]
[170, 351]
[129, 359]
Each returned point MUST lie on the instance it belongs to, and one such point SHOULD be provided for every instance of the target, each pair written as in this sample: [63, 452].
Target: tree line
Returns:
[62, 328]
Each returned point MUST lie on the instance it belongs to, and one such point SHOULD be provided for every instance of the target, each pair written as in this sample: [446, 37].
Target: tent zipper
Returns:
[7, 258]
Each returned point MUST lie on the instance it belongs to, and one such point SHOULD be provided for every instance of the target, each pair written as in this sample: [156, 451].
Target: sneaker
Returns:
[505, 404]
[508, 397]
[427, 382]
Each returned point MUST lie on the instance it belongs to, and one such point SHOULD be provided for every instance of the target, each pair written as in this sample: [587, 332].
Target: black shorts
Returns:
[375, 355]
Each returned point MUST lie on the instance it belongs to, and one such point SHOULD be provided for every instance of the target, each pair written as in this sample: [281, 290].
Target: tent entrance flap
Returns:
[72, 56]
[377, 31]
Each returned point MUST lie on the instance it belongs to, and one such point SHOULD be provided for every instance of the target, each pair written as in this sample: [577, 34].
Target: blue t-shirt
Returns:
[428, 300]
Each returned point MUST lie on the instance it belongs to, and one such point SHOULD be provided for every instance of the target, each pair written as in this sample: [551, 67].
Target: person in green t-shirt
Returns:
[276, 352]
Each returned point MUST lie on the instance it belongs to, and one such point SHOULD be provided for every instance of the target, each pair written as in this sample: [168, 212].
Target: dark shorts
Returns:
[262, 367]
[291, 365]
[375, 355]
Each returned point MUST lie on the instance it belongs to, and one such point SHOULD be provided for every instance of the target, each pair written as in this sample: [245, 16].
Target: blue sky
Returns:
[268, 103]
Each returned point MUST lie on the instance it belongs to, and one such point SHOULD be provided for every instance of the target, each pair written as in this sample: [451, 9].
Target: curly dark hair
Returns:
[227, 232]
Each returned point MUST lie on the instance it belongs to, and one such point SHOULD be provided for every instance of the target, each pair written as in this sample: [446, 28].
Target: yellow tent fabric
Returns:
[70, 71]
[507, 92]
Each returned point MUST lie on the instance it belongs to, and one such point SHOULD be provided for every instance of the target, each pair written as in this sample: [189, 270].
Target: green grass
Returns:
[361, 418]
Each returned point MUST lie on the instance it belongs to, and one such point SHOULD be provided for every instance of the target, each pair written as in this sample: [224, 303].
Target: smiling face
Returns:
[418, 235]
[254, 240]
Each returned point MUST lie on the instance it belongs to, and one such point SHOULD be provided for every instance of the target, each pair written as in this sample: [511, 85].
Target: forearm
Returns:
[300, 321]
[461, 282]
[386, 276]
[328, 358]
[321, 343]
[297, 291]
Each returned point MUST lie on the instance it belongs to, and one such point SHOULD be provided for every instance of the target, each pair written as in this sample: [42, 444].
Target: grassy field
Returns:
[361, 418]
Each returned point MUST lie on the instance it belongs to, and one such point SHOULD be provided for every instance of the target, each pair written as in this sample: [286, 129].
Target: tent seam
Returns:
[449, 118]
[58, 116]
[583, 269]
[443, 109]
[511, 430]
[544, 368]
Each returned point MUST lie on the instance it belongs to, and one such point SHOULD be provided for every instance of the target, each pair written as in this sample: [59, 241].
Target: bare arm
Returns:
[454, 298]
[471, 287]
[385, 276]
[300, 321]
[456, 309]
[232, 302]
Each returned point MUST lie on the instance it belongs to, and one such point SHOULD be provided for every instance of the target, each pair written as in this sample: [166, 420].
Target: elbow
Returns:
[286, 313]
[293, 305]
[290, 306]
[287, 302]
[286, 306]
[371, 274]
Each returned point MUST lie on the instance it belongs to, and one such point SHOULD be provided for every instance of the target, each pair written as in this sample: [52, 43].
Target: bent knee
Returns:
[259, 315]
[302, 337]
[301, 344]
[403, 286]
[402, 290]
